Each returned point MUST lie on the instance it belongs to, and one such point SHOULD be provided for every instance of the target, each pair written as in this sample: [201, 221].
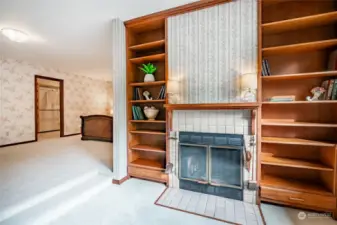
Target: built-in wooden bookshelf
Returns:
[146, 43]
[298, 160]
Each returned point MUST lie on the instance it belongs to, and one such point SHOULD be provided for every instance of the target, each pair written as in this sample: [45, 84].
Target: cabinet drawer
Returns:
[147, 174]
[299, 198]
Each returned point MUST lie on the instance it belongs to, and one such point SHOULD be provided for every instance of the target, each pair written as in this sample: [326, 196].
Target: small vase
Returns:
[149, 78]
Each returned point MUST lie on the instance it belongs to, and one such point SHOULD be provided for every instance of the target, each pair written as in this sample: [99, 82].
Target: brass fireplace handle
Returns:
[296, 199]
[202, 182]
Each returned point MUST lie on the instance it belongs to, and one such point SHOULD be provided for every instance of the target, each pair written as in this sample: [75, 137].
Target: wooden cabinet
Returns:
[146, 43]
[298, 138]
[298, 198]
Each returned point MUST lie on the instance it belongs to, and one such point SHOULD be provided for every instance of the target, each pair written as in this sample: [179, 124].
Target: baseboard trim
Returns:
[68, 135]
[119, 182]
[17, 143]
[47, 131]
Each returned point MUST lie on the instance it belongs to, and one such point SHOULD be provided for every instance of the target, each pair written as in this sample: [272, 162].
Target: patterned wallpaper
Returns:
[209, 49]
[82, 95]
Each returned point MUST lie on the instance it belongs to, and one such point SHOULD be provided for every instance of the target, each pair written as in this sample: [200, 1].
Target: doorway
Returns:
[49, 115]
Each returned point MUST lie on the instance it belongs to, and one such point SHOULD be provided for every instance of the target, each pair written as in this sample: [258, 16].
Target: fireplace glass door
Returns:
[193, 162]
[226, 166]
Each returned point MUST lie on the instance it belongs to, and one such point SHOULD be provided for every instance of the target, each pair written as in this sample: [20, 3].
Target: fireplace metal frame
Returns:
[207, 164]
[208, 167]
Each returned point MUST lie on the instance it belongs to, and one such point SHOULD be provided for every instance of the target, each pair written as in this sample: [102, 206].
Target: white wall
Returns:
[119, 99]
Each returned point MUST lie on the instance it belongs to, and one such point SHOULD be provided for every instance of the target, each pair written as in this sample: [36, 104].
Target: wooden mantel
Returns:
[213, 106]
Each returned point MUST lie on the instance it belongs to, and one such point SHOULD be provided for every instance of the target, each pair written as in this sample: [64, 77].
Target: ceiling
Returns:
[73, 36]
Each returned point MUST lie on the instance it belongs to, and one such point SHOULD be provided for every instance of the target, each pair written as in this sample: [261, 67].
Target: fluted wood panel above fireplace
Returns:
[209, 49]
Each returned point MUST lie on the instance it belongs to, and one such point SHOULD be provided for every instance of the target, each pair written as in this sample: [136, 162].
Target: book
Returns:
[161, 90]
[134, 94]
[163, 93]
[140, 96]
[140, 113]
[329, 90]
[134, 113]
[286, 98]
[264, 68]
[334, 91]
[325, 85]
[268, 68]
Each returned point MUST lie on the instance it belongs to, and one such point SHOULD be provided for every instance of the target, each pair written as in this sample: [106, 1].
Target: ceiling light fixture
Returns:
[15, 35]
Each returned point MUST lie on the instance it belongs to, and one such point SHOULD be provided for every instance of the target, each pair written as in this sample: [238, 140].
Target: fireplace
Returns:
[211, 163]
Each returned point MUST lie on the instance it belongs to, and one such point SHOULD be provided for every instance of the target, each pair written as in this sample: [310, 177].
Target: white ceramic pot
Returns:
[149, 78]
[151, 113]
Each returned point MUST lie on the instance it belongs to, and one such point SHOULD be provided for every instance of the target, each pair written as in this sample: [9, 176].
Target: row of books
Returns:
[137, 94]
[265, 68]
[331, 89]
[137, 113]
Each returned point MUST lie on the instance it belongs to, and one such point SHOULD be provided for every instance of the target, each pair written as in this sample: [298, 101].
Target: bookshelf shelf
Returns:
[248, 105]
[296, 124]
[295, 163]
[141, 84]
[297, 76]
[299, 23]
[148, 101]
[302, 102]
[148, 148]
[147, 164]
[294, 185]
[302, 47]
[295, 141]
[150, 58]
[148, 45]
[152, 132]
[147, 121]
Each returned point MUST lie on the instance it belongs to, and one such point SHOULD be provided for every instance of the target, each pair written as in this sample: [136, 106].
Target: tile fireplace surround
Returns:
[214, 121]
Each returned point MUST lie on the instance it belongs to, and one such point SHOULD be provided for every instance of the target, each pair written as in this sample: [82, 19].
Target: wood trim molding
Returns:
[174, 11]
[61, 103]
[215, 106]
[119, 182]
[68, 135]
[17, 143]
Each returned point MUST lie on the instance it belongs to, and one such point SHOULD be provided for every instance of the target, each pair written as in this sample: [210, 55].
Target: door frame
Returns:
[61, 103]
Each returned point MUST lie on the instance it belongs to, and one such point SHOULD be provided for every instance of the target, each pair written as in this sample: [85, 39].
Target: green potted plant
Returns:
[148, 69]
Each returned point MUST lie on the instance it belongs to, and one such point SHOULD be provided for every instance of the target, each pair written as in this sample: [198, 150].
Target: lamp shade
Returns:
[249, 81]
[173, 86]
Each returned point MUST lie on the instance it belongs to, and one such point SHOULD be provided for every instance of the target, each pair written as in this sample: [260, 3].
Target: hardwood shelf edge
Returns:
[212, 106]
[151, 149]
[302, 102]
[296, 141]
[300, 47]
[280, 26]
[156, 57]
[140, 84]
[300, 76]
[148, 45]
[291, 163]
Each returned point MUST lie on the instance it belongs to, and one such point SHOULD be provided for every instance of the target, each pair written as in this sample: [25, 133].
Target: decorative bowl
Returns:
[151, 112]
